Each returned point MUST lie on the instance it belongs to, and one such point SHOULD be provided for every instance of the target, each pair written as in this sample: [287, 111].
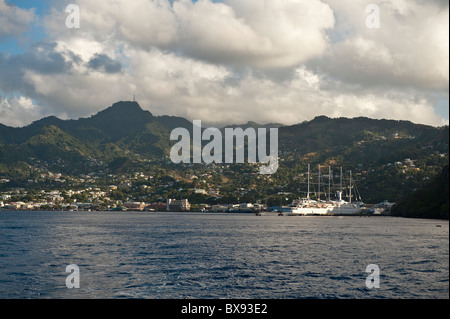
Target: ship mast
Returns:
[319, 184]
[350, 187]
[339, 193]
[309, 167]
[329, 183]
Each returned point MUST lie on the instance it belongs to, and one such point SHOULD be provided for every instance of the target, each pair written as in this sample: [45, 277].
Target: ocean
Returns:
[220, 256]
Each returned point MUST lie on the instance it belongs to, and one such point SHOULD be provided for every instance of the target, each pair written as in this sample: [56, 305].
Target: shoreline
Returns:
[265, 214]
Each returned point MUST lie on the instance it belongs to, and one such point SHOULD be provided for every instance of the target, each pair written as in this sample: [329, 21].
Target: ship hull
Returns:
[330, 210]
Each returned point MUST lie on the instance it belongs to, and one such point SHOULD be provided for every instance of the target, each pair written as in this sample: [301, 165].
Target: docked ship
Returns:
[308, 206]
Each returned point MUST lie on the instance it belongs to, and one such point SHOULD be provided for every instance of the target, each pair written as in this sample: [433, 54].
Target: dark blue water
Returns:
[172, 256]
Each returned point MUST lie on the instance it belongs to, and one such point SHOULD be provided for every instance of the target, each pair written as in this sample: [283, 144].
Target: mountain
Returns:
[389, 159]
[324, 134]
[431, 201]
[117, 131]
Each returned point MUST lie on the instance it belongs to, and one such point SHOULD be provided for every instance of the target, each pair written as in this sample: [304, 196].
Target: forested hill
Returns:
[389, 159]
[431, 201]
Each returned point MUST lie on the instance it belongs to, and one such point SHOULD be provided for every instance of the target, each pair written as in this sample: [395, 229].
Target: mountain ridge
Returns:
[124, 135]
[127, 108]
[126, 122]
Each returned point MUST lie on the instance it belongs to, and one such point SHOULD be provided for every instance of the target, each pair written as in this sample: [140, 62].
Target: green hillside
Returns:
[431, 201]
[389, 159]
[124, 129]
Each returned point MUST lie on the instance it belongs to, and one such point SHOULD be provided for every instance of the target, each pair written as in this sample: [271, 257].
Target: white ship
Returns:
[307, 206]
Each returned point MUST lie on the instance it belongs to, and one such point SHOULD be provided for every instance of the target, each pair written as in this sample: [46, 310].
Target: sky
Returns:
[229, 61]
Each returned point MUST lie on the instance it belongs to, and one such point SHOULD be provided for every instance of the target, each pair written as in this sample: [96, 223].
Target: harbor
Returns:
[322, 197]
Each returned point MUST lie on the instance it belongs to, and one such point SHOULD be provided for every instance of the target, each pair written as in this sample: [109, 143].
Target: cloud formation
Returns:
[410, 49]
[104, 63]
[13, 20]
[236, 60]
[17, 111]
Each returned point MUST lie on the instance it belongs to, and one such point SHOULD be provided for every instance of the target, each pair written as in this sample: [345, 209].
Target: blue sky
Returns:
[231, 61]
[442, 108]
[14, 45]
[40, 5]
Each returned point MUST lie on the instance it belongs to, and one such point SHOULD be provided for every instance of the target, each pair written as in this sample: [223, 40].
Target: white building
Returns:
[174, 205]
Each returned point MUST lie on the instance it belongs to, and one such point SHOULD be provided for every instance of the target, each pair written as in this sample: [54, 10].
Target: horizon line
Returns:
[223, 125]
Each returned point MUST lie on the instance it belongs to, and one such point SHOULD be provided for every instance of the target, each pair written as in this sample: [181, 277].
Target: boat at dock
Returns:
[308, 206]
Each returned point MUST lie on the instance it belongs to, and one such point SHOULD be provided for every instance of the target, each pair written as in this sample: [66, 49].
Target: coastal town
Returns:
[130, 181]
[208, 188]
[133, 192]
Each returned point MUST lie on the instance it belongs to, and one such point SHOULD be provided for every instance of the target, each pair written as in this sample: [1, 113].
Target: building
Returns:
[220, 208]
[245, 207]
[157, 206]
[135, 206]
[200, 191]
[174, 205]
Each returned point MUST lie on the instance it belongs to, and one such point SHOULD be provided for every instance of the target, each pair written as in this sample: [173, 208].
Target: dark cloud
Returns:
[42, 58]
[104, 63]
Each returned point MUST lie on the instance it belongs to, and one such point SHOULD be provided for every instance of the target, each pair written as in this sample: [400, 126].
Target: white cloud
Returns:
[410, 49]
[17, 111]
[303, 98]
[13, 20]
[239, 60]
[264, 34]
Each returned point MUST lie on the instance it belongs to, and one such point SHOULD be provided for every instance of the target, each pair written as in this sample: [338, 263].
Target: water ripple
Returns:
[133, 255]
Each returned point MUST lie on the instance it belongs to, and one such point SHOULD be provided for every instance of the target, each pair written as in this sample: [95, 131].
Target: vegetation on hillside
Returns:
[388, 159]
[431, 201]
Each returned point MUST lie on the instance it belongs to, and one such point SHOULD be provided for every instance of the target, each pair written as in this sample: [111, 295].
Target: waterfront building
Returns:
[174, 205]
